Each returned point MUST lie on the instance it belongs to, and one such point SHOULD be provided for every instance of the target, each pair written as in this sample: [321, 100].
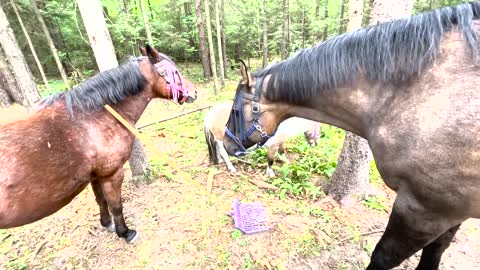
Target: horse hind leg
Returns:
[272, 152]
[432, 254]
[411, 228]
[112, 188]
[105, 218]
[224, 156]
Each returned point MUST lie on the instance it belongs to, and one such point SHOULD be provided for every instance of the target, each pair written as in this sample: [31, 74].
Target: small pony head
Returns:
[174, 86]
[252, 120]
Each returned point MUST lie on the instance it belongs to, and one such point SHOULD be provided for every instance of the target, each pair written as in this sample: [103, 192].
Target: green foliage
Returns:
[375, 202]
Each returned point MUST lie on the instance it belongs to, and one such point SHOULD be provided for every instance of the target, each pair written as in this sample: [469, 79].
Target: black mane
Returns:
[394, 51]
[107, 87]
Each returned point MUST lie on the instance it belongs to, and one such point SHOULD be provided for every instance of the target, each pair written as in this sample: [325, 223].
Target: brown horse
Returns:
[70, 140]
[411, 88]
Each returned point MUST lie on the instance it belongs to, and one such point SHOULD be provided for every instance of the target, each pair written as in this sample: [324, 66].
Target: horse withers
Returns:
[70, 141]
[214, 128]
[410, 87]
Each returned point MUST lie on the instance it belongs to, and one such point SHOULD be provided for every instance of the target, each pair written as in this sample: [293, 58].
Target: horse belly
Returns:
[25, 202]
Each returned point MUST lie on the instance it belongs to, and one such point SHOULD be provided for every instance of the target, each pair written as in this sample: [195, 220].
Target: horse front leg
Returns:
[432, 254]
[105, 218]
[112, 189]
[410, 228]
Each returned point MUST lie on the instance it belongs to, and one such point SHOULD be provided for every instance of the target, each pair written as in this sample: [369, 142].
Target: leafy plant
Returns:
[374, 203]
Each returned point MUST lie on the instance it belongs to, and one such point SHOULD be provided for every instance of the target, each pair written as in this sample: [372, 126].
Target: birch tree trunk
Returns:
[61, 70]
[265, 34]
[16, 79]
[145, 23]
[30, 45]
[210, 46]
[207, 72]
[102, 46]
[219, 44]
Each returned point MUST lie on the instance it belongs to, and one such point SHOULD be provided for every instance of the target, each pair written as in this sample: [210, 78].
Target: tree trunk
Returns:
[384, 11]
[325, 19]
[61, 70]
[219, 44]
[355, 14]
[210, 46]
[145, 23]
[285, 30]
[94, 21]
[8, 84]
[265, 34]
[207, 72]
[14, 72]
[341, 23]
[30, 45]
[224, 38]
[351, 175]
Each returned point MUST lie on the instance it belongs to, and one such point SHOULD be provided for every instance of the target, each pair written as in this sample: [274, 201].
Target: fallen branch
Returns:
[262, 184]
[362, 234]
[174, 116]
[37, 250]
[6, 237]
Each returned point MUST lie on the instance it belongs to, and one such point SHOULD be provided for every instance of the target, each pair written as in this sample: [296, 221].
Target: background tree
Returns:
[50, 43]
[265, 34]
[30, 45]
[101, 43]
[219, 44]
[285, 29]
[352, 173]
[213, 64]
[145, 22]
[17, 83]
[203, 50]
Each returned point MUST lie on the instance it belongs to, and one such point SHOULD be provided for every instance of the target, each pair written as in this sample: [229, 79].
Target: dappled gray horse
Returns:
[411, 88]
[214, 128]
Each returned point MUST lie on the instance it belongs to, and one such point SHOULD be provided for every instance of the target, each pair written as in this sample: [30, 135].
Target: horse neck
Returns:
[353, 108]
[133, 107]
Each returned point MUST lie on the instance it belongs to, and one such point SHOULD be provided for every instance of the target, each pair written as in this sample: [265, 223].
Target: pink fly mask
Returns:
[175, 82]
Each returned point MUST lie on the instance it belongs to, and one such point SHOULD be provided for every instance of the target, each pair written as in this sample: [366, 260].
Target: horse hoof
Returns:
[233, 170]
[133, 237]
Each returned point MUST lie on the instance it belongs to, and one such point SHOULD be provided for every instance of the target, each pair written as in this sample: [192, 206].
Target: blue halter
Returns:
[239, 134]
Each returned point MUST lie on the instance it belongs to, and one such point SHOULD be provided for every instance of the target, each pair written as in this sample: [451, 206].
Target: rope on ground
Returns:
[174, 116]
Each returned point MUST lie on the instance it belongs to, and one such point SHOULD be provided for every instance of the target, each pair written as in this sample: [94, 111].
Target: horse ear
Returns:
[143, 51]
[246, 75]
[152, 54]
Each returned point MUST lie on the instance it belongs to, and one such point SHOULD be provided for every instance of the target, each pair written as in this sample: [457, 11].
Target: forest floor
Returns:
[183, 228]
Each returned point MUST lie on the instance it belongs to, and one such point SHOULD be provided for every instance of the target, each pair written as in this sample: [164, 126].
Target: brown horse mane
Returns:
[107, 87]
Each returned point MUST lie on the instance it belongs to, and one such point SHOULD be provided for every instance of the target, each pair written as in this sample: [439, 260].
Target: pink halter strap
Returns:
[175, 81]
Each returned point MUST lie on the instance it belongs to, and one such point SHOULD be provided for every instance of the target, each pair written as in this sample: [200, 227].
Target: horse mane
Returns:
[394, 52]
[107, 87]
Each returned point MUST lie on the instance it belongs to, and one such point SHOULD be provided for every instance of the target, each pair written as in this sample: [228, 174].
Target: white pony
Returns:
[214, 128]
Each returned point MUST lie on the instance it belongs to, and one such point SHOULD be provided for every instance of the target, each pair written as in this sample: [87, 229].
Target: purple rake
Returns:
[249, 217]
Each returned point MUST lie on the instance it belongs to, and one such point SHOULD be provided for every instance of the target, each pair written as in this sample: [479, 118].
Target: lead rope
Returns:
[162, 156]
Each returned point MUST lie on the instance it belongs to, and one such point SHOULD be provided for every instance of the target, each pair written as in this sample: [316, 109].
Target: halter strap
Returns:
[176, 84]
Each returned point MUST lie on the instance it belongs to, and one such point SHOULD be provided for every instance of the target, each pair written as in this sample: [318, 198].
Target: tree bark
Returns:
[30, 45]
[351, 175]
[219, 44]
[207, 72]
[325, 19]
[265, 34]
[285, 29]
[17, 80]
[61, 70]
[101, 43]
[341, 23]
[210, 46]
[145, 23]
[224, 38]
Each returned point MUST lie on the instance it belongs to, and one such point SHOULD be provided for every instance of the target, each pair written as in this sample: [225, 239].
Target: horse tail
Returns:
[212, 149]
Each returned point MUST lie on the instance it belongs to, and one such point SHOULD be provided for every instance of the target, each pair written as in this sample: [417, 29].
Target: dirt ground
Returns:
[182, 227]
